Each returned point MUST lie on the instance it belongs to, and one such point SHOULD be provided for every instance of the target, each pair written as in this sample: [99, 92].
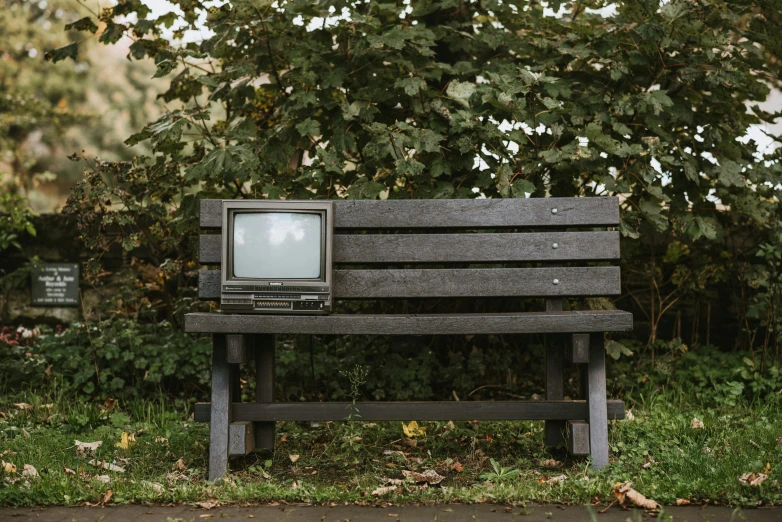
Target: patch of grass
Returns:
[658, 451]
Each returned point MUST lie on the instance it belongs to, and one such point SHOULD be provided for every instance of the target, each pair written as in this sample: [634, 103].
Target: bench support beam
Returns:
[219, 440]
[265, 434]
[596, 401]
[413, 410]
[555, 377]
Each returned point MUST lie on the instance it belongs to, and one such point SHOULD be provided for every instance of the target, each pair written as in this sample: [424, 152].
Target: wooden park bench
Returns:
[560, 232]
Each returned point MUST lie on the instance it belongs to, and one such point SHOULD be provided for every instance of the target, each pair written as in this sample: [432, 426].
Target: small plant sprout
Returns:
[499, 474]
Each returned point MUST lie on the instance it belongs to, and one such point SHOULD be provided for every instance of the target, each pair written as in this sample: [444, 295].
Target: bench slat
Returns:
[413, 410]
[458, 213]
[466, 282]
[439, 324]
[455, 248]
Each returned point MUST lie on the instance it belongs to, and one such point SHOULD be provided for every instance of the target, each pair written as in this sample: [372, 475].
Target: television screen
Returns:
[277, 245]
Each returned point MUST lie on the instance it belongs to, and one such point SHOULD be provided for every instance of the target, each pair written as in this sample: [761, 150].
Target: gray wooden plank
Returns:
[413, 410]
[466, 282]
[458, 213]
[211, 214]
[577, 351]
[220, 411]
[455, 248]
[265, 434]
[529, 322]
[577, 438]
[596, 401]
[239, 348]
[242, 438]
[554, 433]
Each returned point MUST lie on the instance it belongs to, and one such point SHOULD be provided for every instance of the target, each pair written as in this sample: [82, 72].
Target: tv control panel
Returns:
[274, 302]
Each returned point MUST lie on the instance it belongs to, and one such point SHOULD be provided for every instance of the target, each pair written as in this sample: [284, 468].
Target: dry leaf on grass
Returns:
[106, 496]
[157, 488]
[394, 452]
[23, 406]
[293, 458]
[208, 504]
[29, 471]
[696, 423]
[752, 479]
[551, 463]
[457, 466]
[69, 471]
[110, 466]
[413, 430]
[682, 502]
[180, 465]
[412, 443]
[8, 467]
[126, 440]
[629, 415]
[101, 478]
[624, 491]
[87, 448]
[552, 480]
[383, 490]
[429, 476]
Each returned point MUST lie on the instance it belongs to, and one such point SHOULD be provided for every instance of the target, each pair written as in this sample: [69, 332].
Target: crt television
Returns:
[277, 257]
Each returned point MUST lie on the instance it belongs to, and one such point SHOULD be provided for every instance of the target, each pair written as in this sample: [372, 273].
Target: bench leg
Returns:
[265, 434]
[220, 419]
[555, 377]
[596, 401]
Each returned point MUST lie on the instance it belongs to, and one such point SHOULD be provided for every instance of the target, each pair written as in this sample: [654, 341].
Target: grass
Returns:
[658, 451]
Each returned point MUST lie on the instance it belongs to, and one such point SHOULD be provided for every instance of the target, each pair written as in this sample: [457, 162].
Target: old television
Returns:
[277, 257]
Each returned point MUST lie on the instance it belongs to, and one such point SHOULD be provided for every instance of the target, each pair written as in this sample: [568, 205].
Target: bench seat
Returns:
[433, 324]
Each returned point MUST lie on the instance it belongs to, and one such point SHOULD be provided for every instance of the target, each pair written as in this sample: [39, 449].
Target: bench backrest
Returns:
[395, 233]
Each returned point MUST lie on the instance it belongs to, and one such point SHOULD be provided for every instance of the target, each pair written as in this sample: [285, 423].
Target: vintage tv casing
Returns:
[277, 296]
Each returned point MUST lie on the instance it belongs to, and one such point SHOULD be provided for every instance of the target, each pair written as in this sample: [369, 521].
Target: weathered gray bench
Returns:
[405, 232]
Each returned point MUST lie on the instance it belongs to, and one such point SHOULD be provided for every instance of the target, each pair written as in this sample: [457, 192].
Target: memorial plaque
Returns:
[56, 284]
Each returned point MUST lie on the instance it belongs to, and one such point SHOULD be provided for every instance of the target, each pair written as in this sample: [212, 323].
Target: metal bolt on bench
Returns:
[573, 336]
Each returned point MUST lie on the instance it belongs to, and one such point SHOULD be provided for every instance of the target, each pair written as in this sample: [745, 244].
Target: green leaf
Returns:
[730, 174]
[61, 53]
[309, 127]
[112, 33]
[461, 92]
[615, 349]
[412, 86]
[520, 188]
[84, 24]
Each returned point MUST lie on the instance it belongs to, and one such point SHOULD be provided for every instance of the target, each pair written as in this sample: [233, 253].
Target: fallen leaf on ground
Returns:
[126, 440]
[412, 443]
[8, 467]
[624, 491]
[206, 515]
[629, 415]
[23, 406]
[413, 430]
[457, 466]
[383, 490]
[25, 433]
[69, 471]
[393, 482]
[293, 458]
[752, 479]
[551, 463]
[696, 423]
[682, 502]
[767, 469]
[157, 488]
[552, 480]
[450, 426]
[779, 441]
[29, 471]
[106, 496]
[393, 515]
[107, 465]
[394, 452]
[161, 439]
[102, 478]
[180, 465]
[429, 476]
[87, 448]
[208, 504]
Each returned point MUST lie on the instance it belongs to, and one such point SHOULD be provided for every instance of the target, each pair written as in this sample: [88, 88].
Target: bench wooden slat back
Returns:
[458, 213]
[378, 217]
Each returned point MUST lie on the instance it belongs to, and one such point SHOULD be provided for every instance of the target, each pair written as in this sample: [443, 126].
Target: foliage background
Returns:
[454, 99]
